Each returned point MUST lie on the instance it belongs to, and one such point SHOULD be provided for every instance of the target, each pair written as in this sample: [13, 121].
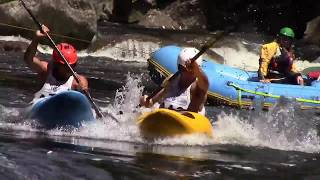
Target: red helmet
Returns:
[68, 51]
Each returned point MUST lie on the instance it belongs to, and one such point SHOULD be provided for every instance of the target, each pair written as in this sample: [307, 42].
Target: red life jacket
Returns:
[313, 74]
[283, 62]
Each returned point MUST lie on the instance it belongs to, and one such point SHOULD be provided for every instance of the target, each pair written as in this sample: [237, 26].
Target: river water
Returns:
[282, 143]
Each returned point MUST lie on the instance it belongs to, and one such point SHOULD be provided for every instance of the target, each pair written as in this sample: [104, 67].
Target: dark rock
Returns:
[121, 11]
[74, 18]
[78, 18]
[13, 46]
[243, 15]
[267, 16]
[103, 8]
[307, 51]
[188, 14]
[309, 47]
[177, 15]
[312, 33]
[155, 18]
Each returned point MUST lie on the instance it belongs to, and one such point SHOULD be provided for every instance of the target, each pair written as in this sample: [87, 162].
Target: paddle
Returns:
[203, 49]
[86, 93]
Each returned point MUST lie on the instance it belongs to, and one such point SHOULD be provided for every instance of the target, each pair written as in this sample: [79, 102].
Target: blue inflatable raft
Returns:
[66, 109]
[232, 86]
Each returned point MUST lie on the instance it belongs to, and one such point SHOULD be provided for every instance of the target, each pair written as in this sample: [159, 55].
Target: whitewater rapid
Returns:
[262, 130]
[139, 51]
[277, 129]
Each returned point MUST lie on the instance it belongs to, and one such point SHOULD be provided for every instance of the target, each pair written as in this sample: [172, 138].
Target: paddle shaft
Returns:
[86, 93]
[203, 49]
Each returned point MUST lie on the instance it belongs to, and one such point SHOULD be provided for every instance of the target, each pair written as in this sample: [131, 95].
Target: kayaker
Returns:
[276, 63]
[186, 92]
[54, 74]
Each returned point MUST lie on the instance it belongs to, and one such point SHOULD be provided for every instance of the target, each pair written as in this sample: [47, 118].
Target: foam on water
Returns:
[243, 58]
[278, 129]
[14, 38]
[41, 48]
[139, 51]
[129, 50]
[126, 100]
[240, 57]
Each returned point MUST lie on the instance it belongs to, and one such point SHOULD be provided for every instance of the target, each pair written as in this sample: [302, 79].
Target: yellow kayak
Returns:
[168, 123]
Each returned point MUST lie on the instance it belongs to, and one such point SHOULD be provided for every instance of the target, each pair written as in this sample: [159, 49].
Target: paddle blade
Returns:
[207, 45]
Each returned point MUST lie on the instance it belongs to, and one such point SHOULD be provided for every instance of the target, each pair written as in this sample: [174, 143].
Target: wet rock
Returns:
[188, 14]
[267, 16]
[78, 18]
[176, 15]
[103, 8]
[13, 46]
[312, 33]
[307, 51]
[309, 47]
[121, 10]
[75, 18]
[155, 18]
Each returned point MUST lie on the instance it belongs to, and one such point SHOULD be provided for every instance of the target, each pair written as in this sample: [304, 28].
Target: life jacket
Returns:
[52, 86]
[282, 61]
[313, 75]
[178, 99]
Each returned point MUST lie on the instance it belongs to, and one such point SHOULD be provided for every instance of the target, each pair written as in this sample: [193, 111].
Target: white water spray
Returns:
[248, 60]
[279, 128]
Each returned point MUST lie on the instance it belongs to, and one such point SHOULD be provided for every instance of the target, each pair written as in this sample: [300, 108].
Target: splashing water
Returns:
[129, 50]
[139, 51]
[240, 57]
[279, 128]
[14, 38]
[8, 112]
[126, 100]
[248, 60]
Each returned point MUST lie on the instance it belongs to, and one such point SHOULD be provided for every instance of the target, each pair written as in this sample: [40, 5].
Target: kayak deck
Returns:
[169, 123]
[66, 109]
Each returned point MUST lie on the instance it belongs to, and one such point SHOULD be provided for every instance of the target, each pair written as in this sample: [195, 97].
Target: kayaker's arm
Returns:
[202, 79]
[199, 90]
[264, 63]
[267, 52]
[198, 99]
[294, 76]
[83, 83]
[33, 62]
[156, 98]
[160, 95]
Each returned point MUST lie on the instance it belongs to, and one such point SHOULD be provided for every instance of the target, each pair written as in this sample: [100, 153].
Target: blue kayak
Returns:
[66, 109]
[232, 86]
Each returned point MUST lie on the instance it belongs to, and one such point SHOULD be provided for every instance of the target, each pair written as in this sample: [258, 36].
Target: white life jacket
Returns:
[51, 87]
[178, 99]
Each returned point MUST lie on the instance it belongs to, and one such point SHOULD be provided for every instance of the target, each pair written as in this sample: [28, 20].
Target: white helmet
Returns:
[186, 54]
